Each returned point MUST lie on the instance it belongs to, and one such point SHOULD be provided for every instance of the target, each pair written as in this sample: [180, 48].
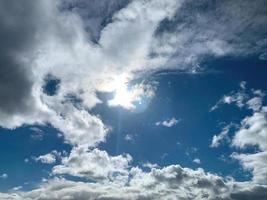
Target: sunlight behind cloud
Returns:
[131, 97]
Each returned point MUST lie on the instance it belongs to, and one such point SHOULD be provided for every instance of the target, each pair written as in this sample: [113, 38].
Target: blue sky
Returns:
[143, 99]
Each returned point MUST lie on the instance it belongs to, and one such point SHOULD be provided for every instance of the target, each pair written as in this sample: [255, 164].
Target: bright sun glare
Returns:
[124, 96]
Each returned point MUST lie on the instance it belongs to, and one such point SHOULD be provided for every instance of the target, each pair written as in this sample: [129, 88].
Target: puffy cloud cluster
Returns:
[53, 41]
[252, 132]
[95, 165]
[172, 182]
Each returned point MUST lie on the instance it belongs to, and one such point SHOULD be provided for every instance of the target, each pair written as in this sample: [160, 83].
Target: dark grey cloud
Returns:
[17, 33]
[255, 193]
[215, 28]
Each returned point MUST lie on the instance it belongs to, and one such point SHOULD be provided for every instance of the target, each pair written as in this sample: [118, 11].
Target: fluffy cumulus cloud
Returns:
[94, 165]
[88, 51]
[172, 182]
[252, 132]
[53, 39]
[54, 42]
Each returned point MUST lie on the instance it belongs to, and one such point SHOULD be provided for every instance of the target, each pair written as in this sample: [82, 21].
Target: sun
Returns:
[123, 96]
[131, 96]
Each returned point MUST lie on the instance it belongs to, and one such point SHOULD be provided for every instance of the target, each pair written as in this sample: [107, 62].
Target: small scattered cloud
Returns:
[263, 56]
[164, 155]
[3, 176]
[49, 158]
[17, 188]
[168, 123]
[37, 133]
[242, 98]
[197, 161]
[191, 151]
[222, 136]
[129, 138]
[150, 165]
[251, 132]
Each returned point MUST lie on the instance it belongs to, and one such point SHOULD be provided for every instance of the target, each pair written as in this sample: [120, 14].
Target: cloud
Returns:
[54, 42]
[173, 182]
[37, 134]
[129, 138]
[170, 182]
[94, 165]
[237, 98]
[95, 14]
[49, 158]
[213, 29]
[150, 165]
[168, 123]
[252, 132]
[197, 161]
[222, 136]
[3, 176]
[263, 56]
[242, 98]
[87, 56]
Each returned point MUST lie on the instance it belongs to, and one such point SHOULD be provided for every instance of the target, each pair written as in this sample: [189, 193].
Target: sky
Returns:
[133, 100]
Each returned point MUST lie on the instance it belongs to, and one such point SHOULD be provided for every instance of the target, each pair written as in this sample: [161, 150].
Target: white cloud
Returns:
[255, 103]
[150, 165]
[62, 50]
[49, 158]
[222, 136]
[252, 132]
[17, 188]
[94, 165]
[55, 42]
[197, 161]
[242, 98]
[129, 138]
[168, 123]
[37, 134]
[3, 176]
[172, 182]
